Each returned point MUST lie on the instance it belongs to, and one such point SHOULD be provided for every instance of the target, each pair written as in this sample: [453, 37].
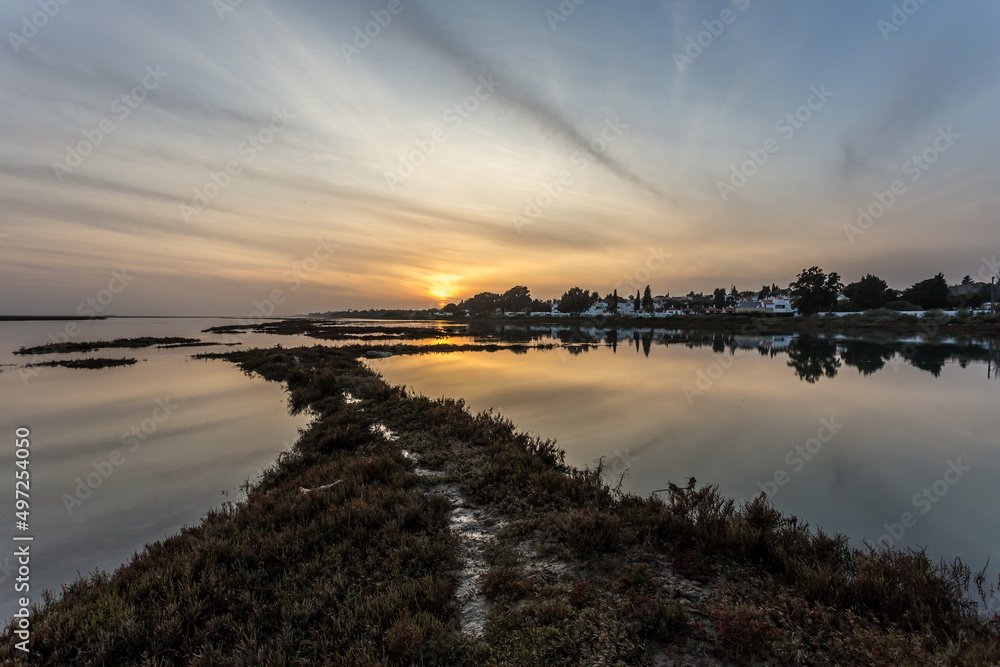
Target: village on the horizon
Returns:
[813, 292]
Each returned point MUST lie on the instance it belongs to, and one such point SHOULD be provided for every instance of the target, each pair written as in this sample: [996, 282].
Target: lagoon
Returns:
[876, 438]
[861, 436]
[125, 456]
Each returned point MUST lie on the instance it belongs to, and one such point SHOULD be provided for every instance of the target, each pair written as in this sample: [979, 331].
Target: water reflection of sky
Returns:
[732, 410]
[666, 404]
[224, 428]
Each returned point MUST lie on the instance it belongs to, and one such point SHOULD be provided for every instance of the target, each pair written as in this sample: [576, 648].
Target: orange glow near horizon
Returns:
[443, 287]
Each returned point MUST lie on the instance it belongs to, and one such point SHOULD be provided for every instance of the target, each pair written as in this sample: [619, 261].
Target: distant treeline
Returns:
[812, 291]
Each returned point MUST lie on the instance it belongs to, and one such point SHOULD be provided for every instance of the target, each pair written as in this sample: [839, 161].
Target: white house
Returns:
[777, 306]
[598, 309]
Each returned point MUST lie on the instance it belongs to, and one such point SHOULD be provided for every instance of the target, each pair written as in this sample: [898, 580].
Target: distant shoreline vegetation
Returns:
[813, 292]
[930, 323]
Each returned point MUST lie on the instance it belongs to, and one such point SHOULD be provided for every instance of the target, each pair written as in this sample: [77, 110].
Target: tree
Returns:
[647, 300]
[516, 299]
[614, 302]
[814, 291]
[482, 302]
[870, 292]
[720, 298]
[576, 300]
[734, 296]
[930, 293]
[538, 306]
[765, 292]
[635, 304]
[967, 280]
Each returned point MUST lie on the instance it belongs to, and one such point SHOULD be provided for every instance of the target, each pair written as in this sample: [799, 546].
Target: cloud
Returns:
[426, 31]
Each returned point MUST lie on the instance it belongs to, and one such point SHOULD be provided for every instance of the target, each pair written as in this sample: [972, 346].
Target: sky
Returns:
[227, 157]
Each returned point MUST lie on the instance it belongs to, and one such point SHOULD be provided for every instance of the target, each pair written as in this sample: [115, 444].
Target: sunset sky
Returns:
[553, 147]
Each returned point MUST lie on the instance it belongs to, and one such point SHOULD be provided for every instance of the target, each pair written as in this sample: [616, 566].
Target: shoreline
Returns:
[348, 548]
[900, 323]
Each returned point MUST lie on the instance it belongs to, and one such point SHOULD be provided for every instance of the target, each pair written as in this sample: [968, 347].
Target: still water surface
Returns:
[218, 429]
[849, 435]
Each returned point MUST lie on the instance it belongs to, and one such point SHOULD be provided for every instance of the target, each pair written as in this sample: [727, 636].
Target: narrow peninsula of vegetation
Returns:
[129, 343]
[405, 530]
[95, 363]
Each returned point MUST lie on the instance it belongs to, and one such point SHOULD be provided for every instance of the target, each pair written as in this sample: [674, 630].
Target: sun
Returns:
[443, 287]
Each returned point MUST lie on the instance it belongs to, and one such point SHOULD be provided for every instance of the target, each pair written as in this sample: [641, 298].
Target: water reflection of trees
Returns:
[811, 358]
[866, 356]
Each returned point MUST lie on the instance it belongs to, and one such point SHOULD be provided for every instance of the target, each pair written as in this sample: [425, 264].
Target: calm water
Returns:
[845, 434]
[223, 428]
